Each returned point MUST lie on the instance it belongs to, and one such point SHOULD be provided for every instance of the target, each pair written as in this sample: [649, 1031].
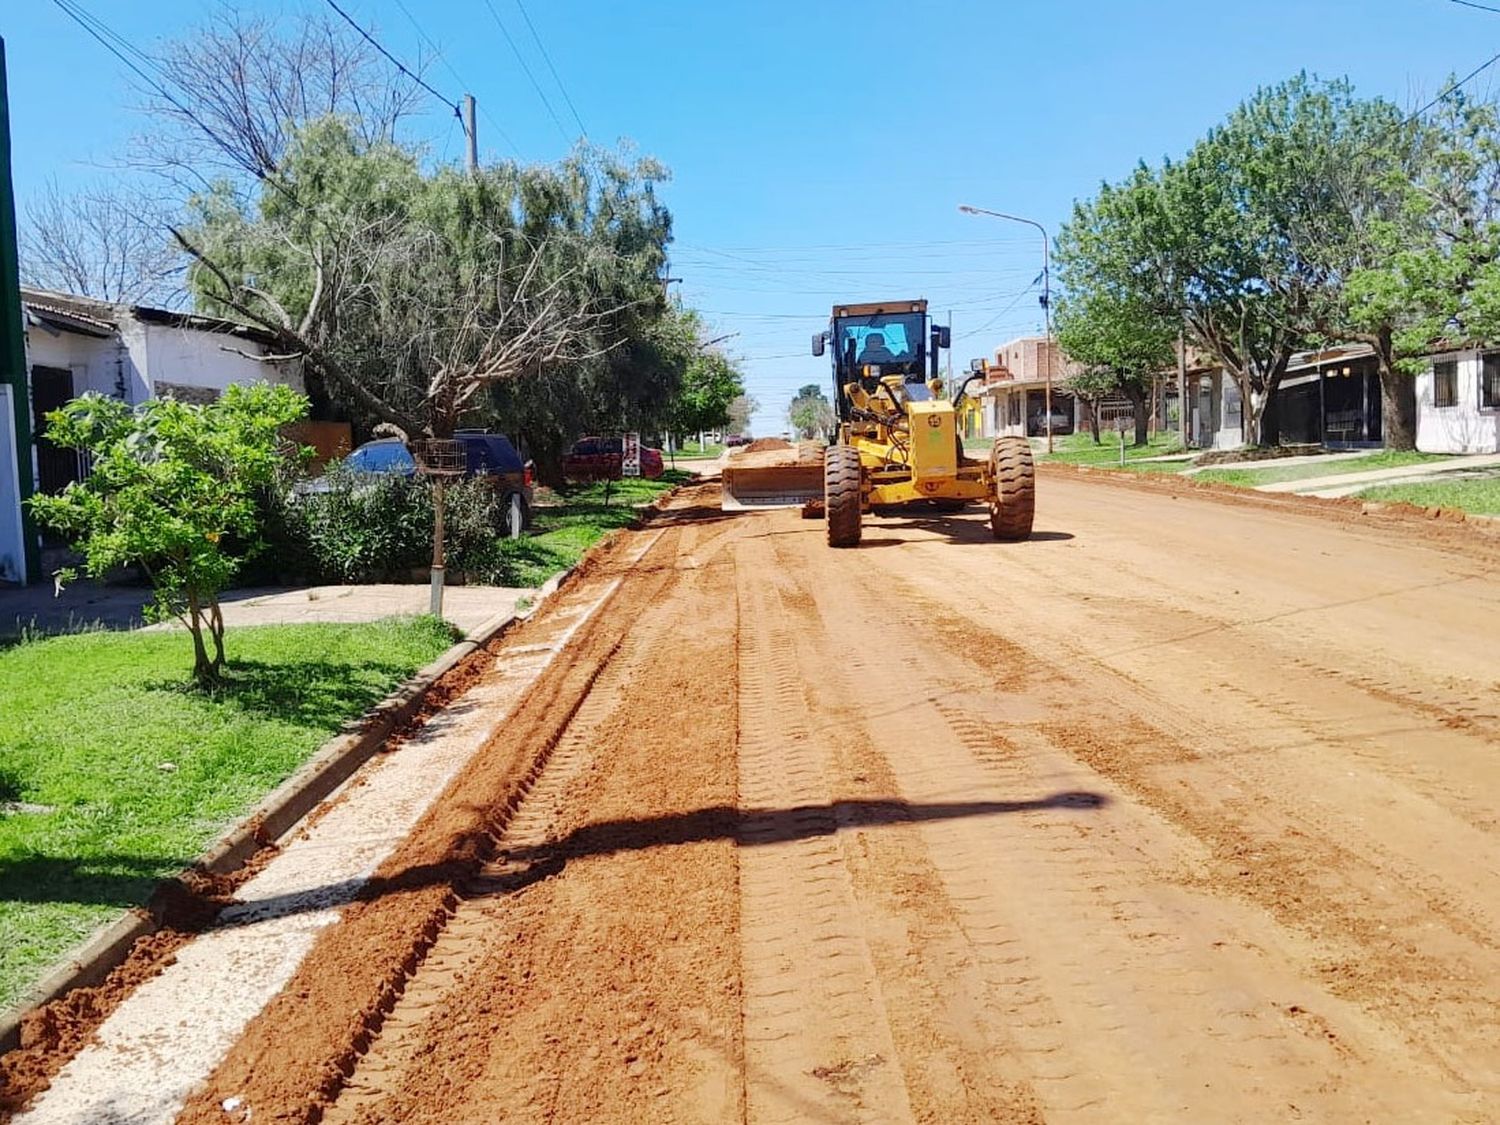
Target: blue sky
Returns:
[819, 151]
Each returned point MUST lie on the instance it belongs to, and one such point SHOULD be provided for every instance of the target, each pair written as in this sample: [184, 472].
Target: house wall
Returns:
[1464, 427]
[108, 366]
[194, 357]
[12, 544]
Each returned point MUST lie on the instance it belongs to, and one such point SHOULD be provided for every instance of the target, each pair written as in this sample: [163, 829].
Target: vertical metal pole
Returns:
[472, 133]
[1182, 391]
[13, 343]
[1047, 309]
[435, 603]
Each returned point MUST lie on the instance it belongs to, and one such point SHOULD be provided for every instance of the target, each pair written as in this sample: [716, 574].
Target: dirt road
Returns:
[1178, 811]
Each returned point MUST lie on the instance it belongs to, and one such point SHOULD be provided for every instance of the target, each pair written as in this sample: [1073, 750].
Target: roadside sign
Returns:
[630, 456]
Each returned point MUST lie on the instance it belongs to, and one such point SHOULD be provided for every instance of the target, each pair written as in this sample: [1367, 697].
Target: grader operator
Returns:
[897, 442]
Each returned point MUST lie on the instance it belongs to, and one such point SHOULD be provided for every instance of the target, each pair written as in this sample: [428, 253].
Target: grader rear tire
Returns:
[1013, 501]
[841, 495]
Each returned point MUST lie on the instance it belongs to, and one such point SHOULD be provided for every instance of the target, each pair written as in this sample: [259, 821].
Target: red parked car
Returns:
[599, 458]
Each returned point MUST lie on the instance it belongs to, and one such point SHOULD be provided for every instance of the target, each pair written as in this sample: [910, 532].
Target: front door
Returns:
[51, 387]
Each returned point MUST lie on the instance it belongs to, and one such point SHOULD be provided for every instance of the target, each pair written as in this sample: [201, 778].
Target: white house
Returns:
[1458, 403]
[129, 352]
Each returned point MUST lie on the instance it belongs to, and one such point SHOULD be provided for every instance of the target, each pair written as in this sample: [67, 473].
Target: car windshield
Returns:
[879, 338]
[381, 457]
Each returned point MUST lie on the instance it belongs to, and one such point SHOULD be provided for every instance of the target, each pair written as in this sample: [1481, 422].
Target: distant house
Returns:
[1458, 403]
[1015, 390]
[130, 352]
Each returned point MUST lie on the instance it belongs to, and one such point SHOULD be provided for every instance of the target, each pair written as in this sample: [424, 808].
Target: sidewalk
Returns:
[1347, 484]
[86, 604]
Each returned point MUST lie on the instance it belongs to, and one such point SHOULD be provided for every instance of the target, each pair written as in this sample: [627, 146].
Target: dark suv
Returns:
[490, 457]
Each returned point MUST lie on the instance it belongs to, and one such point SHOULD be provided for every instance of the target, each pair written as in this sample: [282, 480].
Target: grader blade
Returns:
[782, 476]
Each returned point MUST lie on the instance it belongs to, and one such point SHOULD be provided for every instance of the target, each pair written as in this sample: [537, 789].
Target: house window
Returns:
[1013, 409]
[1489, 382]
[1445, 383]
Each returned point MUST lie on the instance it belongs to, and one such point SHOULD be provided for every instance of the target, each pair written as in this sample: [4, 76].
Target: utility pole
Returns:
[471, 132]
[950, 353]
[1046, 292]
[1182, 390]
[13, 348]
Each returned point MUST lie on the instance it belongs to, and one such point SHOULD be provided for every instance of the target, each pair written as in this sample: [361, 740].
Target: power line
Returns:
[548, 59]
[1481, 7]
[438, 51]
[117, 45]
[1473, 74]
[535, 85]
[394, 61]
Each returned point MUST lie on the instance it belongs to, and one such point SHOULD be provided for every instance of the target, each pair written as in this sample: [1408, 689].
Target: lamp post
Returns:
[1046, 292]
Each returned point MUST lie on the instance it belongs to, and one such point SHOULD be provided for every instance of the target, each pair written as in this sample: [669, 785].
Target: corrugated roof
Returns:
[93, 317]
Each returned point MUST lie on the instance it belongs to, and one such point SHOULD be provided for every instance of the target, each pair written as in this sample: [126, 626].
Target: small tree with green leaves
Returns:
[172, 489]
[1121, 343]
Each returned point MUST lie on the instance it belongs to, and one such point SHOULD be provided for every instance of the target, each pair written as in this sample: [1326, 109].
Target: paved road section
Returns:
[1183, 810]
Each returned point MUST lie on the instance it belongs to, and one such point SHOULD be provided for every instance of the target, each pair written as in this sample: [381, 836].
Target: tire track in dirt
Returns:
[817, 1038]
[1279, 804]
[608, 990]
[455, 953]
[1131, 971]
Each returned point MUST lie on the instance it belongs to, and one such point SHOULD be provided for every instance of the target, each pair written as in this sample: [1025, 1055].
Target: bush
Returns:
[364, 529]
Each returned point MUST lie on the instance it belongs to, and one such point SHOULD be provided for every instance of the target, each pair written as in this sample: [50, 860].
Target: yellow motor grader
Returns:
[897, 443]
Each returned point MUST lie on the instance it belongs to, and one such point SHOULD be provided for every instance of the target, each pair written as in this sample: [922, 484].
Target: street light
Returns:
[1046, 292]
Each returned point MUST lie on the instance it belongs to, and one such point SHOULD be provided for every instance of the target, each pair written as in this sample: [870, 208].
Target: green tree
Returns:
[413, 295]
[1424, 274]
[173, 488]
[1121, 344]
[810, 413]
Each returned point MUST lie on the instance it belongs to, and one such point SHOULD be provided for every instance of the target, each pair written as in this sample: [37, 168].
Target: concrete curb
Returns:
[276, 815]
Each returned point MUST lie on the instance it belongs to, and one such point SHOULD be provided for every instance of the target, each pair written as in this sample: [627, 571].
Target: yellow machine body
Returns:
[915, 454]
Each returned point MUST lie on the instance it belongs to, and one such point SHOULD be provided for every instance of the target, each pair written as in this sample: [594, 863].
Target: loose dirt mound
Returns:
[766, 444]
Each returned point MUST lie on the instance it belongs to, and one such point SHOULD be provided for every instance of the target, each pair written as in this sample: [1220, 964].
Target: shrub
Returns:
[359, 528]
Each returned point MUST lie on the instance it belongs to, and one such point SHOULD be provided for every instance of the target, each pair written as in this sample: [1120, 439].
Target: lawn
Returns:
[692, 451]
[1079, 449]
[1249, 477]
[562, 531]
[113, 774]
[1478, 495]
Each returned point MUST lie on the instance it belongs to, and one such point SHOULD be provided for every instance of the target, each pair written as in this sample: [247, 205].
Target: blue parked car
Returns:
[490, 457]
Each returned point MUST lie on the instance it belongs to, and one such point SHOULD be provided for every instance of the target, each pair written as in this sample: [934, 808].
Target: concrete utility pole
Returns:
[1046, 292]
[13, 343]
[471, 132]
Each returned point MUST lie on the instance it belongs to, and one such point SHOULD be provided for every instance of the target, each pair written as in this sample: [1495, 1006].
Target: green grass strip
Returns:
[114, 773]
[1480, 496]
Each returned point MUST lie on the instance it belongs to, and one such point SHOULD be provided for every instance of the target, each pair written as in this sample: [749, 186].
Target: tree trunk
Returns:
[1398, 400]
[1262, 418]
[1137, 398]
[1091, 416]
[216, 630]
[205, 670]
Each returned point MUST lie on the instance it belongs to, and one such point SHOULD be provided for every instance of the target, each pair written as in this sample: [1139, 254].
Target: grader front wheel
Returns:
[1013, 499]
[841, 495]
